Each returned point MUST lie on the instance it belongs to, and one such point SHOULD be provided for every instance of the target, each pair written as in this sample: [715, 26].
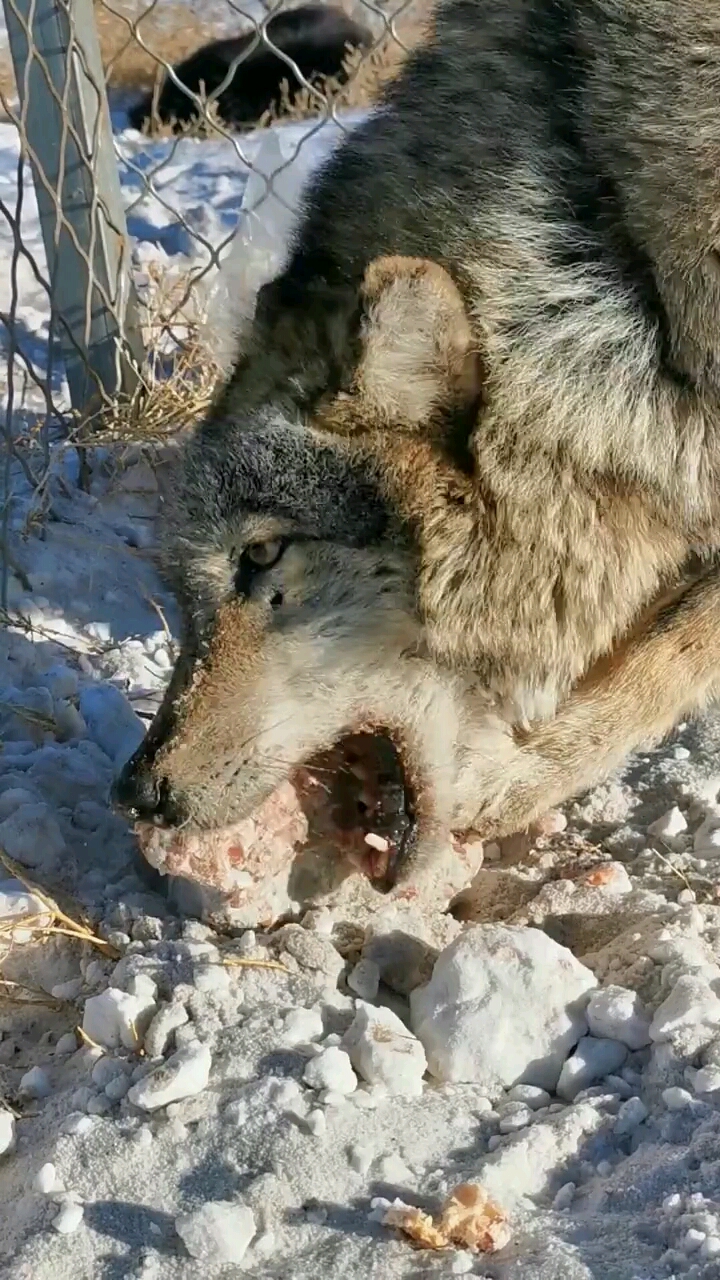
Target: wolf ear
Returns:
[419, 360]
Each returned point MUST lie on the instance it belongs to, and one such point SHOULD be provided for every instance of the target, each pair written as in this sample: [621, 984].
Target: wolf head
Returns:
[293, 551]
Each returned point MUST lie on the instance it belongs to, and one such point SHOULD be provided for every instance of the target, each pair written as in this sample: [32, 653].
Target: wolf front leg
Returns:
[667, 670]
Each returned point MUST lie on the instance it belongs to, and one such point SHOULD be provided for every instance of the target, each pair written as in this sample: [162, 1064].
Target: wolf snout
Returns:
[144, 796]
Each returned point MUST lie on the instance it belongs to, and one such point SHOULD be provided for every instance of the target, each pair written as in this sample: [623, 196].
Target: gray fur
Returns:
[270, 470]
[552, 168]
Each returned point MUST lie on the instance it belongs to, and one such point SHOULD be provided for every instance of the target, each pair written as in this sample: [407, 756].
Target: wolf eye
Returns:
[255, 560]
[264, 554]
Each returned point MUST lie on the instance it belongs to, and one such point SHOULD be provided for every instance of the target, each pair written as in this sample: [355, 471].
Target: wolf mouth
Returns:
[355, 803]
[365, 801]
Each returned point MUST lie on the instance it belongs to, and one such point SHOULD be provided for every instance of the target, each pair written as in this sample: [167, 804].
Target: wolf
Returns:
[316, 38]
[460, 490]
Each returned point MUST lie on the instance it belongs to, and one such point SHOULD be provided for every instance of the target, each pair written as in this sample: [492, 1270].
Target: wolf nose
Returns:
[137, 791]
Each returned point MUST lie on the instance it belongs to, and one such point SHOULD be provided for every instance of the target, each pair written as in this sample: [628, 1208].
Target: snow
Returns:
[632, 1113]
[690, 1016]
[7, 1131]
[165, 1022]
[504, 1006]
[383, 1051]
[69, 1217]
[35, 1084]
[114, 1018]
[46, 1181]
[617, 1014]
[677, 1099]
[331, 1069]
[302, 1026]
[195, 1132]
[217, 1233]
[185, 1074]
[671, 824]
[592, 1060]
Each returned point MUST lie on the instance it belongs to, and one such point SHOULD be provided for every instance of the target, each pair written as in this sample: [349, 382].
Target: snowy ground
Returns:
[111, 1171]
[182, 198]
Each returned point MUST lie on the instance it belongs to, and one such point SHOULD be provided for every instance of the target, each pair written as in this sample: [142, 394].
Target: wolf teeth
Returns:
[377, 842]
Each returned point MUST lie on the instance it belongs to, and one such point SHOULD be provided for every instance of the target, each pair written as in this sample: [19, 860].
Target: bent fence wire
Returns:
[111, 239]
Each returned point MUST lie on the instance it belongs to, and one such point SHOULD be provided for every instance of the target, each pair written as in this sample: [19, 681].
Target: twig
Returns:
[27, 714]
[73, 928]
[10, 924]
[680, 874]
[165, 625]
[137, 1045]
[239, 962]
[36, 994]
[88, 1040]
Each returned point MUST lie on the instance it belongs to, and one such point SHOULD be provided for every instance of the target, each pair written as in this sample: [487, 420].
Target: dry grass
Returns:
[49, 923]
[7, 81]
[52, 921]
[238, 962]
[171, 400]
[181, 374]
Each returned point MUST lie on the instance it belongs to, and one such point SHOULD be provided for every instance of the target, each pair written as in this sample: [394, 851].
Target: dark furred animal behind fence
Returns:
[316, 37]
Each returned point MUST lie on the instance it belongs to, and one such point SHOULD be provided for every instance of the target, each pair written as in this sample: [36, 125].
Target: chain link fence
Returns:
[123, 187]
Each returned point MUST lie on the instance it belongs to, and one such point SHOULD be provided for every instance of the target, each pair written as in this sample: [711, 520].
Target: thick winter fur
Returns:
[501, 322]
[316, 38]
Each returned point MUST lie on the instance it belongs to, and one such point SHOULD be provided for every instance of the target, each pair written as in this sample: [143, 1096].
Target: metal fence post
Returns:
[67, 136]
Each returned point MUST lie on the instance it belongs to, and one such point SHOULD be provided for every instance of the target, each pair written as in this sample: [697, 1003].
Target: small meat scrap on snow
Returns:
[469, 1219]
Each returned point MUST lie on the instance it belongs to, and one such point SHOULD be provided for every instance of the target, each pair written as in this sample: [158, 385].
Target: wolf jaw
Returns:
[379, 746]
[369, 806]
